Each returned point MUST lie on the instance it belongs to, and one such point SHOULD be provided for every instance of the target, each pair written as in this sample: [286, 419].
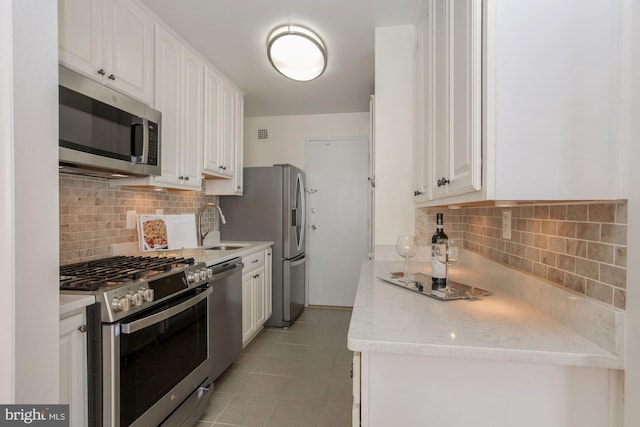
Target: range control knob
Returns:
[120, 304]
[209, 273]
[147, 294]
[135, 299]
[191, 278]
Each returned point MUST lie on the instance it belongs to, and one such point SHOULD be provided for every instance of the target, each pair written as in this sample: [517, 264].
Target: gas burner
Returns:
[115, 271]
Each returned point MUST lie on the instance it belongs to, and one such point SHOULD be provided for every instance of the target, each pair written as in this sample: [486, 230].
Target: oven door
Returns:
[155, 360]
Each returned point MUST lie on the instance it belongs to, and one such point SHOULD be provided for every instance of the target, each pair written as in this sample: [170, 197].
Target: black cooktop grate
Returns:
[91, 275]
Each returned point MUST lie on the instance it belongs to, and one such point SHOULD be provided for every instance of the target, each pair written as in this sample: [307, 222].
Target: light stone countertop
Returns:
[212, 257]
[503, 326]
[71, 303]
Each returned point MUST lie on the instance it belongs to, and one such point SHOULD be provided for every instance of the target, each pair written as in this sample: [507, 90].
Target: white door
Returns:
[338, 212]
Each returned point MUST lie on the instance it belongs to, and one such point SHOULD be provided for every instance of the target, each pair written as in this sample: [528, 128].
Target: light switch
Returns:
[506, 225]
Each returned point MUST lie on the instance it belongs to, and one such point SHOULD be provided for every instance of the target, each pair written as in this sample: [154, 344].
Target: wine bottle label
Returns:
[438, 269]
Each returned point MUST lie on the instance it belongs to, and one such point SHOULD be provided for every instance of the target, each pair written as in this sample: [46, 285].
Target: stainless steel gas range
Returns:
[152, 348]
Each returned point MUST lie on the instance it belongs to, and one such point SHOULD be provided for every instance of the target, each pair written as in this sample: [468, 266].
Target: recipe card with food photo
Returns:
[158, 232]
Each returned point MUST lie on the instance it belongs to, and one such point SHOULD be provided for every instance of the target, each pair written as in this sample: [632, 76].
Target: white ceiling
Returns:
[232, 35]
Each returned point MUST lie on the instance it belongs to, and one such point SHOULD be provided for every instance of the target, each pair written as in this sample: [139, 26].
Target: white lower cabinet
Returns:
[73, 366]
[410, 390]
[256, 293]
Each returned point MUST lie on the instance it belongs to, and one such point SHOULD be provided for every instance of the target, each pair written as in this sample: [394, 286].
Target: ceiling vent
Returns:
[263, 134]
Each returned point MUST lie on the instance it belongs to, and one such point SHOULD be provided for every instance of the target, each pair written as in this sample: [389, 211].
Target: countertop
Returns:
[70, 303]
[212, 257]
[389, 319]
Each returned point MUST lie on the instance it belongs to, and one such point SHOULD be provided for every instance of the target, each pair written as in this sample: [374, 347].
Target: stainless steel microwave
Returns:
[103, 132]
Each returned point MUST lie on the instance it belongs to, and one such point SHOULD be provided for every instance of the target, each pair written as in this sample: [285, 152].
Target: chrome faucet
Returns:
[202, 235]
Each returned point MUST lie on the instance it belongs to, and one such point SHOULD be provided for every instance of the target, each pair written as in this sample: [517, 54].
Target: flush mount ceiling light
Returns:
[297, 52]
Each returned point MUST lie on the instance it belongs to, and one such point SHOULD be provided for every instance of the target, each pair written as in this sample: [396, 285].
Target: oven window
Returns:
[155, 359]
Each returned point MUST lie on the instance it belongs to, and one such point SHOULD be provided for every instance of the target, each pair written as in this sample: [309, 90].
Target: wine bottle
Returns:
[438, 269]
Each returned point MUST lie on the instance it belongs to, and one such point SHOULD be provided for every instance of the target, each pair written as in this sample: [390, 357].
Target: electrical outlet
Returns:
[131, 219]
[506, 225]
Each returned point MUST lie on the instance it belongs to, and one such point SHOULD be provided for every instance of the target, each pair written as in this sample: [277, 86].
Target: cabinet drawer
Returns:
[252, 261]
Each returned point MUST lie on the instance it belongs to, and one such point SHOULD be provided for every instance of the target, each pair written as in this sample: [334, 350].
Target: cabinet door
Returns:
[260, 305]
[80, 35]
[465, 103]
[192, 118]
[73, 368]
[268, 284]
[228, 130]
[168, 100]
[128, 48]
[248, 319]
[454, 96]
[213, 122]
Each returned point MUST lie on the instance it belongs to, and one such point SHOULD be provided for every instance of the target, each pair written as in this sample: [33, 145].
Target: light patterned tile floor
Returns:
[295, 377]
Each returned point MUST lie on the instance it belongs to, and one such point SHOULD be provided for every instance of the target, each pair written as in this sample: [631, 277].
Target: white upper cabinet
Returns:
[180, 97]
[517, 101]
[223, 133]
[110, 41]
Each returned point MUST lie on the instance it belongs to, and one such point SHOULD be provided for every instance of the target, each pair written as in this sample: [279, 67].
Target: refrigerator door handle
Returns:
[303, 224]
[298, 262]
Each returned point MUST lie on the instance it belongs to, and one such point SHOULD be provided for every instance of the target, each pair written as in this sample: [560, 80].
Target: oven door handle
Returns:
[129, 328]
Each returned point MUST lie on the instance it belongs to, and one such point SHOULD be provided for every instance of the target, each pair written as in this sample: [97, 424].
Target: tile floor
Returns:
[289, 377]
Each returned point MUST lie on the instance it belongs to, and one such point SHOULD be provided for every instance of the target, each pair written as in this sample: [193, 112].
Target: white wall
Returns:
[288, 135]
[29, 200]
[394, 210]
[6, 204]
[631, 134]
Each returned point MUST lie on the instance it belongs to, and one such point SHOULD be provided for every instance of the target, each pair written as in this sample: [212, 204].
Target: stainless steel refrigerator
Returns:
[272, 209]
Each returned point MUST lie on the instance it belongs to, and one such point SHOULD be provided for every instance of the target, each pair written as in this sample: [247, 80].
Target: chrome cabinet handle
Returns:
[112, 77]
[82, 328]
[443, 181]
[101, 71]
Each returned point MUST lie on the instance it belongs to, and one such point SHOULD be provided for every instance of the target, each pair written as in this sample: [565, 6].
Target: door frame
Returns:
[370, 194]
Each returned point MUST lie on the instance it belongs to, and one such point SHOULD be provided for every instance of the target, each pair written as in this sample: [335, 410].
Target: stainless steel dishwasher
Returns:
[226, 315]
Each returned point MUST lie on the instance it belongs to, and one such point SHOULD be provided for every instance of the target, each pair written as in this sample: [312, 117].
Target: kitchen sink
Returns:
[224, 248]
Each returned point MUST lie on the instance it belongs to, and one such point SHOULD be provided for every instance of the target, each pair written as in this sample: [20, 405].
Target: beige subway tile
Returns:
[620, 299]
[527, 265]
[621, 212]
[577, 212]
[555, 275]
[605, 212]
[527, 238]
[621, 256]
[533, 226]
[558, 212]
[600, 252]
[566, 263]
[576, 247]
[540, 270]
[614, 233]
[549, 227]
[612, 275]
[515, 261]
[600, 291]
[575, 282]
[541, 212]
[557, 244]
[567, 229]
[541, 241]
[533, 254]
[588, 231]
[548, 258]
[587, 268]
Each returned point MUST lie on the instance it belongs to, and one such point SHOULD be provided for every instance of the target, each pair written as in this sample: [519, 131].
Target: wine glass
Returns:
[448, 252]
[406, 248]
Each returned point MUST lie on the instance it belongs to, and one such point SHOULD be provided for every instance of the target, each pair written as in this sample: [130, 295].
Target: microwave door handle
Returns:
[145, 141]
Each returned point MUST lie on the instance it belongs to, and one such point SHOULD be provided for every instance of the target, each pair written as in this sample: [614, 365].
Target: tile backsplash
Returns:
[93, 215]
[581, 246]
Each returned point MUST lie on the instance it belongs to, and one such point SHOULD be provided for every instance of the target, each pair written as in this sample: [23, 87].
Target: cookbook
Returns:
[166, 232]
